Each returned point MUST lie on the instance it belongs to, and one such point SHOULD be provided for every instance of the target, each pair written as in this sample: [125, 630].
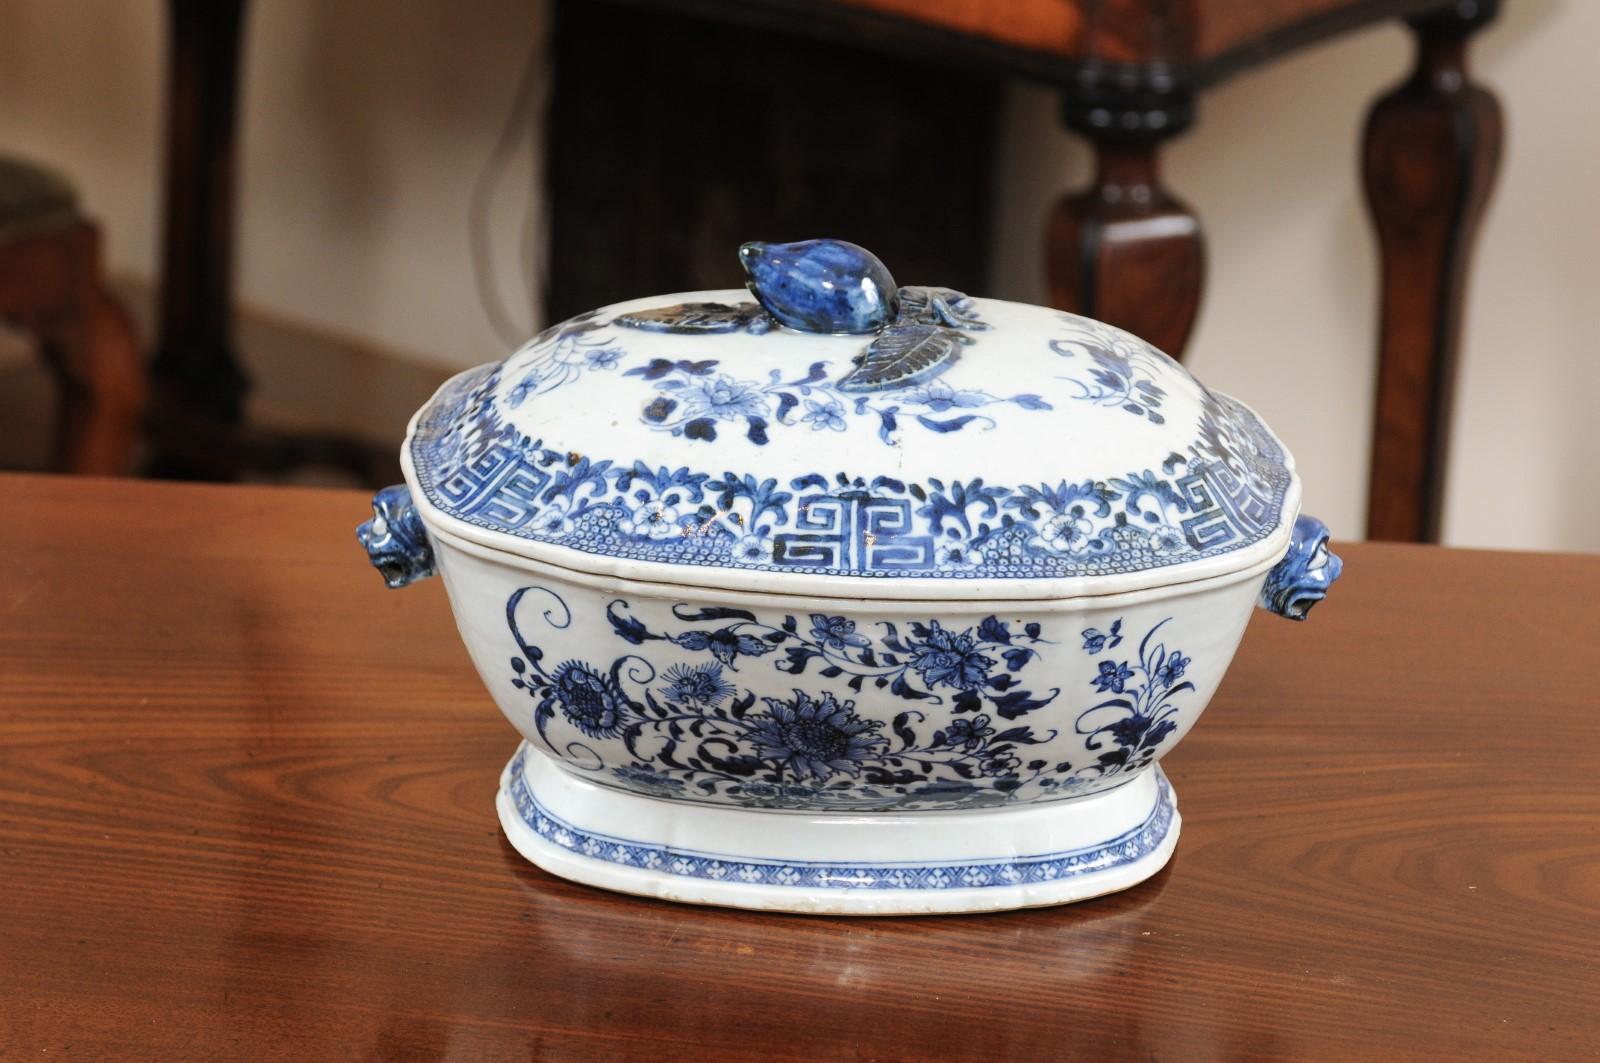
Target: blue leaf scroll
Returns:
[903, 355]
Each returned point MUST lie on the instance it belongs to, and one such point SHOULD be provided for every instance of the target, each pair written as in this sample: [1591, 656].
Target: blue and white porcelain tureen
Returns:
[839, 596]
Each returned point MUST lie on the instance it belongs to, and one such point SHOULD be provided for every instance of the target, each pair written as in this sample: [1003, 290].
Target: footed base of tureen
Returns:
[905, 863]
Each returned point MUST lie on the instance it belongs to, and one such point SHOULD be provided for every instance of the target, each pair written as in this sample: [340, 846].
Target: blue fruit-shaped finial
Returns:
[821, 285]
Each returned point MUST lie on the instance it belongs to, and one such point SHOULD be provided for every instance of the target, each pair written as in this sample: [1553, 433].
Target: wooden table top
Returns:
[246, 812]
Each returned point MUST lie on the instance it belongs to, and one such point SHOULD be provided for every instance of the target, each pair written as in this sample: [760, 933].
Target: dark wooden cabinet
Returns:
[702, 135]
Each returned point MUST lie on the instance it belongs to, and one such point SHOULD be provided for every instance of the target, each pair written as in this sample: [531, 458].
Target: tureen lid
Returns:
[829, 432]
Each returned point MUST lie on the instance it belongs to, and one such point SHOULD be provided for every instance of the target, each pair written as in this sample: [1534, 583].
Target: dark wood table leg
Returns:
[1432, 147]
[90, 344]
[197, 385]
[196, 428]
[1124, 249]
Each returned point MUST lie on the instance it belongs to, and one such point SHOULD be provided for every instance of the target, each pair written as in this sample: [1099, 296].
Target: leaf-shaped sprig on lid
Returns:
[903, 355]
[693, 318]
[939, 306]
[836, 287]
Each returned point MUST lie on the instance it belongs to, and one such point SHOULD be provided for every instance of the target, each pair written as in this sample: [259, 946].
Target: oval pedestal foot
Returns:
[910, 863]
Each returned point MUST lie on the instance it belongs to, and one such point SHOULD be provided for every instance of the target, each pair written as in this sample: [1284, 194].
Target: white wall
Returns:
[367, 123]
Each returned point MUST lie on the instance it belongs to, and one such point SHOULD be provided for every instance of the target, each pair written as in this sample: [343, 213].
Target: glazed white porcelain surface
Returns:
[1056, 803]
[544, 640]
[851, 598]
[926, 864]
[1052, 456]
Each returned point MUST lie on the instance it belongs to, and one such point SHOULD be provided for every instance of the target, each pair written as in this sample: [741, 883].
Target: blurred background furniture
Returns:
[1124, 248]
[198, 428]
[52, 287]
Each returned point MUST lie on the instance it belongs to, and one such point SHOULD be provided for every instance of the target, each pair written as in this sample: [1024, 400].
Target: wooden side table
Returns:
[1124, 248]
[247, 813]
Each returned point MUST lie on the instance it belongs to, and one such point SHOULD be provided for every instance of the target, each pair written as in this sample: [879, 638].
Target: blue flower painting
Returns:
[814, 737]
[709, 725]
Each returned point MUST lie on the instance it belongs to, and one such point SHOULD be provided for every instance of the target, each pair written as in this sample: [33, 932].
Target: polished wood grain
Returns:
[1431, 151]
[1049, 40]
[246, 813]
[1054, 26]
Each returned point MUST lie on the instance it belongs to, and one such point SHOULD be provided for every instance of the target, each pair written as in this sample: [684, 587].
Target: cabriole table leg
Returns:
[1124, 249]
[1432, 147]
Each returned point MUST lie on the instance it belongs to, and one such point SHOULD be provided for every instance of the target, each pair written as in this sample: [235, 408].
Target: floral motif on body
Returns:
[1126, 731]
[814, 738]
[771, 712]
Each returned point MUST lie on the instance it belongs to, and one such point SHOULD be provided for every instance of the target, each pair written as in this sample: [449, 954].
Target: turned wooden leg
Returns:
[90, 345]
[1432, 147]
[101, 375]
[1124, 249]
[198, 385]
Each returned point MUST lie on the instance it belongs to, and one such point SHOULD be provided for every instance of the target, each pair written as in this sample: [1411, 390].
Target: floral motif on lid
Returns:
[916, 433]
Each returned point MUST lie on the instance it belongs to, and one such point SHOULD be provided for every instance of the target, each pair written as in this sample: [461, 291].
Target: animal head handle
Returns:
[1303, 577]
[395, 539]
[830, 286]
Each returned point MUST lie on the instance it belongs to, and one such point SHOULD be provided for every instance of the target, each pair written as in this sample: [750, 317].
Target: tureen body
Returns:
[887, 601]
